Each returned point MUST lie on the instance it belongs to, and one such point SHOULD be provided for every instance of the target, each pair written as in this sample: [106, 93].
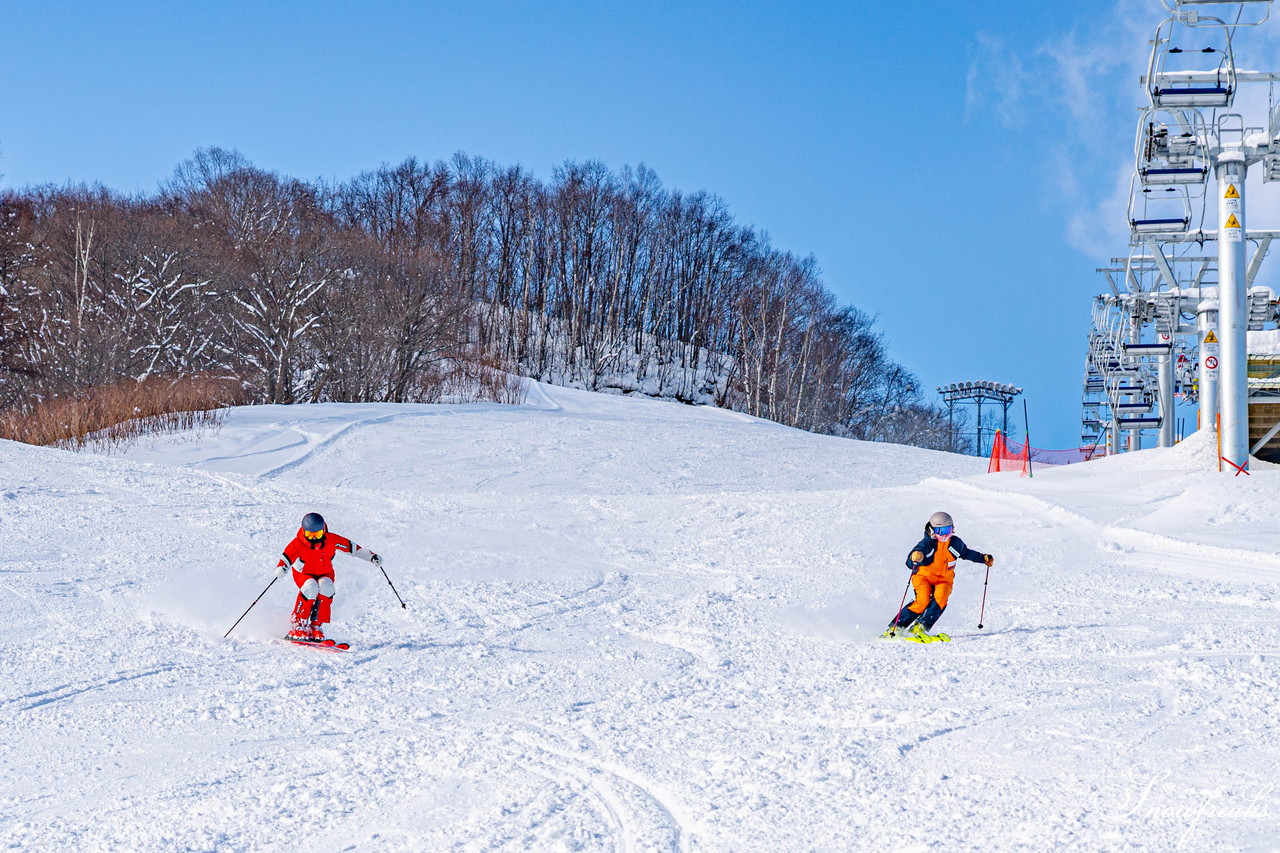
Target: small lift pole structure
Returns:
[977, 393]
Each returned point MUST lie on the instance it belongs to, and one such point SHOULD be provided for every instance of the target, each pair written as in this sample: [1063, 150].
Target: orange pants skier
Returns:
[932, 562]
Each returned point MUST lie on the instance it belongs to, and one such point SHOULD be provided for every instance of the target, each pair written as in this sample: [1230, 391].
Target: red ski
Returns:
[323, 645]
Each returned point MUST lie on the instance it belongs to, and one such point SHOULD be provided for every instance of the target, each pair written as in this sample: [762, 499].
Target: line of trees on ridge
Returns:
[424, 282]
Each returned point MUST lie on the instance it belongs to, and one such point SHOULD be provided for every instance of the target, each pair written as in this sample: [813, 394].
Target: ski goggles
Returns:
[313, 534]
[944, 530]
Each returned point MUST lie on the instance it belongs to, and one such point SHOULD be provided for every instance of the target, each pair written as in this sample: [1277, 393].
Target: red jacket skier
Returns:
[932, 563]
[309, 557]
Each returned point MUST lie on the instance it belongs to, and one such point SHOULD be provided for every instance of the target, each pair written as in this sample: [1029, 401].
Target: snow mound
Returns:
[631, 625]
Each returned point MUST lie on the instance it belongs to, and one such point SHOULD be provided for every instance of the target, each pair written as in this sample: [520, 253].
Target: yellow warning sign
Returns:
[1232, 222]
[1231, 192]
[1210, 337]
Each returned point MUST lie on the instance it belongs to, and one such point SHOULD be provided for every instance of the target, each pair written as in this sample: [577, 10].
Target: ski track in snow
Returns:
[632, 626]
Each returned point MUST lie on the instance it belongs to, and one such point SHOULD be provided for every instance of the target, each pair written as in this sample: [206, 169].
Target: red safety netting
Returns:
[1010, 455]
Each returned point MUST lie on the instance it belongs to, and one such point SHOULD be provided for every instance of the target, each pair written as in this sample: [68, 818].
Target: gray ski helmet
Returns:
[313, 522]
[939, 519]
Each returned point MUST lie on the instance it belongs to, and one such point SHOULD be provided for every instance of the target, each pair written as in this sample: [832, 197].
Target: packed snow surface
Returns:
[631, 625]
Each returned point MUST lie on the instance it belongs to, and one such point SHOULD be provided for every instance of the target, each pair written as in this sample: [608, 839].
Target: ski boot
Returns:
[920, 634]
[315, 633]
[917, 634]
[299, 634]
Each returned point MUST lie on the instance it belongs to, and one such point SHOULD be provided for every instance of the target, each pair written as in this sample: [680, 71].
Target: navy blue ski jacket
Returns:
[929, 547]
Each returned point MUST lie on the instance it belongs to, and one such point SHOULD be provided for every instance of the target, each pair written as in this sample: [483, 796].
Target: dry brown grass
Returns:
[114, 416]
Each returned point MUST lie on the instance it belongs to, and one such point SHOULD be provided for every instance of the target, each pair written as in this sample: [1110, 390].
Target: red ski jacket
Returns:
[317, 557]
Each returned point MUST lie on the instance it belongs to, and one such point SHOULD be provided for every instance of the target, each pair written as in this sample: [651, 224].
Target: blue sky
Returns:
[954, 167]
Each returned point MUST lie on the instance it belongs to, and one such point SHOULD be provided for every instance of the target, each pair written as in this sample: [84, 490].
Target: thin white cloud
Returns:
[997, 80]
[1098, 226]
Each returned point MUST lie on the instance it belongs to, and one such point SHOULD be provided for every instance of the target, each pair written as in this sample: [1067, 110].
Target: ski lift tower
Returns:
[977, 393]
[1188, 133]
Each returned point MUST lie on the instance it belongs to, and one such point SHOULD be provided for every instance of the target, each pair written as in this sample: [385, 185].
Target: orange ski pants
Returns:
[930, 587]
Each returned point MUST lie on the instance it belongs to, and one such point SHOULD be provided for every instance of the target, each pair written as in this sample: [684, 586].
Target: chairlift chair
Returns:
[1154, 176]
[1272, 171]
[1184, 93]
[1160, 226]
[1147, 349]
[1171, 87]
[1166, 156]
[1271, 162]
[1141, 422]
[1159, 210]
[1261, 308]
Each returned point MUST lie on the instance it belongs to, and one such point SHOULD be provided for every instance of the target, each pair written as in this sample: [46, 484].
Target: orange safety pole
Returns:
[1218, 429]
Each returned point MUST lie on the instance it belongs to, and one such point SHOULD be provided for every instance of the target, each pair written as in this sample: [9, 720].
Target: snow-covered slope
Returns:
[632, 626]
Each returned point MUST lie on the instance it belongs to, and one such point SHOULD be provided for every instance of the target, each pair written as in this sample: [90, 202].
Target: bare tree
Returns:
[278, 255]
[19, 257]
[391, 326]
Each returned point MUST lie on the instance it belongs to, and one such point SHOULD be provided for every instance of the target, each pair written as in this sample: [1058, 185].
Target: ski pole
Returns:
[246, 613]
[393, 587]
[893, 631]
[982, 612]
